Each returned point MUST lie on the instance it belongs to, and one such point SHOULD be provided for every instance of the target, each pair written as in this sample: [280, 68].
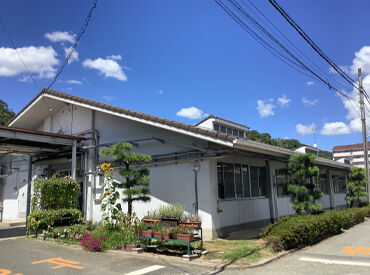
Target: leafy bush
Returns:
[55, 193]
[301, 230]
[42, 219]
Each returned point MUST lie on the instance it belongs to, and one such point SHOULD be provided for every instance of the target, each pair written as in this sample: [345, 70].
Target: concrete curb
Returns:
[216, 267]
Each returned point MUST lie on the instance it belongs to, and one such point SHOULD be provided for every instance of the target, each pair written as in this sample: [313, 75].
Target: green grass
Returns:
[237, 252]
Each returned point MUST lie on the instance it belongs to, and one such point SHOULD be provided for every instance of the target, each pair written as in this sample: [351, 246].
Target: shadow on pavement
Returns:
[13, 232]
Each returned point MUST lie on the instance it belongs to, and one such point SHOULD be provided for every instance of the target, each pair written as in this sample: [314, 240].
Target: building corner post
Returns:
[271, 192]
[29, 183]
[329, 181]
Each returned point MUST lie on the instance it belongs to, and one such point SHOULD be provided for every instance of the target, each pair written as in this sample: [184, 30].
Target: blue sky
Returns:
[161, 57]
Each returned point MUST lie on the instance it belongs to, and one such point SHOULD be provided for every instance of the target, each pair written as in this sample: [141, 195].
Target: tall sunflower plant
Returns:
[110, 198]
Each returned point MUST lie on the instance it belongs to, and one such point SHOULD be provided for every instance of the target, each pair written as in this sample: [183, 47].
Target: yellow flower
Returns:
[107, 193]
[111, 169]
[105, 166]
[106, 173]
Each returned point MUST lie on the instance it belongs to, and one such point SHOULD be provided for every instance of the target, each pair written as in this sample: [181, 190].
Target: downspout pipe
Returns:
[196, 169]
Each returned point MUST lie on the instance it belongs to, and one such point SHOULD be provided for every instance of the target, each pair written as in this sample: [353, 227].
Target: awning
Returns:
[35, 143]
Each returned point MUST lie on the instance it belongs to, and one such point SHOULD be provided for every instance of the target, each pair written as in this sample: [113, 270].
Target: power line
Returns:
[316, 48]
[82, 31]
[20, 57]
[283, 51]
[272, 27]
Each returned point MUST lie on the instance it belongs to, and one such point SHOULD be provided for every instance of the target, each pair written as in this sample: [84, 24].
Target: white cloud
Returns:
[308, 102]
[310, 83]
[114, 57]
[265, 108]
[191, 113]
[108, 98]
[72, 81]
[346, 69]
[283, 101]
[74, 56]
[25, 78]
[361, 60]
[335, 128]
[107, 67]
[305, 129]
[59, 36]
[39, 60]
[159, 92]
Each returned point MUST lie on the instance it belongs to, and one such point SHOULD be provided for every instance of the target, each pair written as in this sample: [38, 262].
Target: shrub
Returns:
[42, 219]
[301, 230]
[356, 188]
[55, 193]
[92, 243]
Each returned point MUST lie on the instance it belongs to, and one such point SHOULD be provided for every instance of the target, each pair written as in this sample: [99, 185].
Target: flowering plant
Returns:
[180, 230]
[111, 206]
[92, 243]
[71, 233]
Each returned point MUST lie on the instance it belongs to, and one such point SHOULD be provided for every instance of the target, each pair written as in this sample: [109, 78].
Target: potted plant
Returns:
[192, 221]
[151, 217]
[171, 214]
[161, 230]
[182, 233]
[127, 247]
[140, 227]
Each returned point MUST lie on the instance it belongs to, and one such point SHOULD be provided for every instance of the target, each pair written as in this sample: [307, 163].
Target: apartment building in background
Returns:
[352, 153]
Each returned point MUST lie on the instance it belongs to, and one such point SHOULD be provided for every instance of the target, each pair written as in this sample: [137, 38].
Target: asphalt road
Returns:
[347, 253]
[31, 257]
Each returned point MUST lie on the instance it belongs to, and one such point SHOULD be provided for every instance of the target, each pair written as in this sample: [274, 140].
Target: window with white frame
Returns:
[228, 130]
[237, 180]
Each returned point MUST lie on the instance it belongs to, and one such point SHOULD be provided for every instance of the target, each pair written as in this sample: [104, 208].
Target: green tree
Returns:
[356, 186]
[6, 114]
[135, 181]
[325, 154]
[304, 174]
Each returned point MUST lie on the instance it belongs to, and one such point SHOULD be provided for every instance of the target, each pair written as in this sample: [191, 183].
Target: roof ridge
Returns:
[168, 122]
[217, 117]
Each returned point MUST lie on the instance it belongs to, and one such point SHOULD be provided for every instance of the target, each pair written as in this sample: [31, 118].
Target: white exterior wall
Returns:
[241, 210]
[14, 191]
[173, 182]
[207, 123]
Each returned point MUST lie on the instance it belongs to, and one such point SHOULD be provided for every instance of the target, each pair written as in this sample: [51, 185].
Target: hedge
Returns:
[301, 230]
[55, 193]
[42, 219]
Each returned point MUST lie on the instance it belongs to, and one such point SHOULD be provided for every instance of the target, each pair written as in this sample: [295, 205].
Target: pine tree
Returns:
[304, 174]
[356, 186]
[136, 181]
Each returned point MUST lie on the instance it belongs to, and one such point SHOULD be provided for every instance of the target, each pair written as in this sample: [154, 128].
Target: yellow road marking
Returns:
[351, 250]
[7, 272]
[60, 262]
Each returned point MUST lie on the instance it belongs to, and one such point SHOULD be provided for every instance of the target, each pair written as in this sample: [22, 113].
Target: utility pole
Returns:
[364, 135]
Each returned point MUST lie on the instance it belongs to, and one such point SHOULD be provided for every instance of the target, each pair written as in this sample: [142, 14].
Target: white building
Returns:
[352, 153]
[238, 180]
